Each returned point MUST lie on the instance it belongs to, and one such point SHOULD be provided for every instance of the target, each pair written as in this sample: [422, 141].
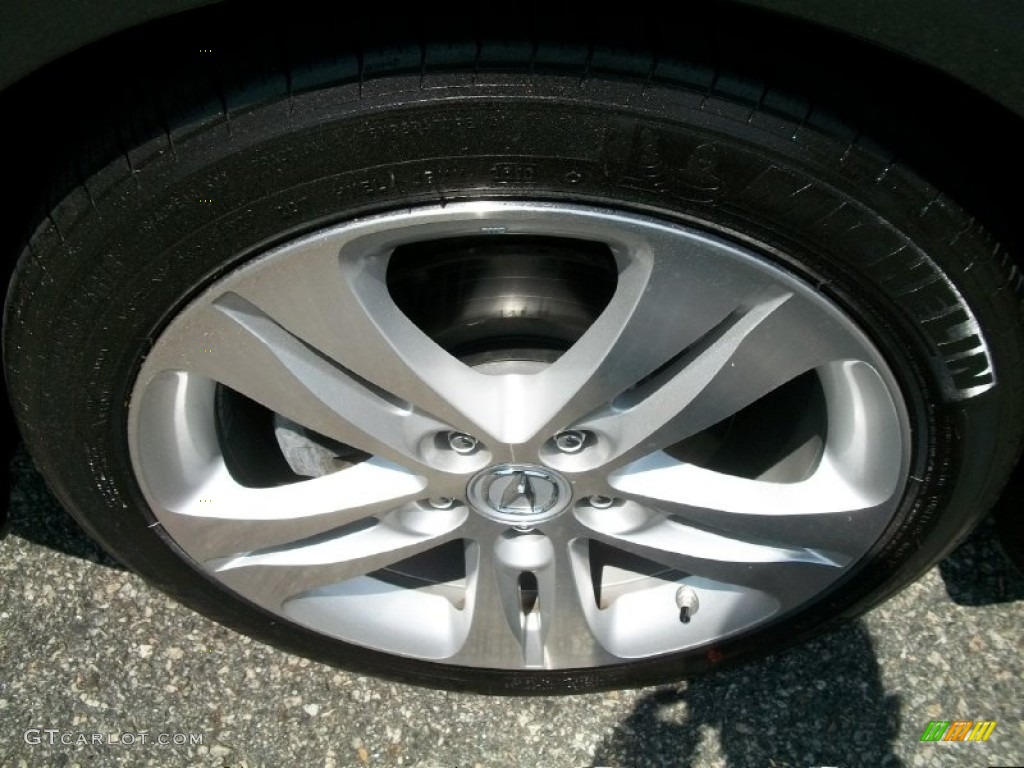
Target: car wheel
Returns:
[533, 380]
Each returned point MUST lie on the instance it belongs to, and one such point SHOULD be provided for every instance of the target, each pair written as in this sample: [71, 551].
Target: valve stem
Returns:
[686, 599]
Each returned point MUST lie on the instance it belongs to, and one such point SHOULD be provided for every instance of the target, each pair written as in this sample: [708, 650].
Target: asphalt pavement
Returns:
[98, 669]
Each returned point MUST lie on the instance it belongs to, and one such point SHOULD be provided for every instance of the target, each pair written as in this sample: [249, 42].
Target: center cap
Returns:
[519, 494]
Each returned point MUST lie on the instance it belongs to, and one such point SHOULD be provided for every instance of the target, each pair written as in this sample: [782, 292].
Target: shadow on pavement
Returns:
[821, 704]
[1009, 517]
[34, 515]
[978, 572]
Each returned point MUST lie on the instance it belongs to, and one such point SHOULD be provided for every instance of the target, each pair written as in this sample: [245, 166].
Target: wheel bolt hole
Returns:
[441, 502]
[571, 440]
[601, 502]
[462, 443]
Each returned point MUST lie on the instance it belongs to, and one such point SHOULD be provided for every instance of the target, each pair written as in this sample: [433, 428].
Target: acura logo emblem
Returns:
[519, 493]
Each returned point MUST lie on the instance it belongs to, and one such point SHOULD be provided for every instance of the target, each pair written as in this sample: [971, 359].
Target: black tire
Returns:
[130, 247]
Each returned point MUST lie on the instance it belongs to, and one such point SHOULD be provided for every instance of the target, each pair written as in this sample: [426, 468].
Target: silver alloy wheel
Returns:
[697, 330]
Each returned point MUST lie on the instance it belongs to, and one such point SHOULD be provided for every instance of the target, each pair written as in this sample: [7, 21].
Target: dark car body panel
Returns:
[978, 42]
[32, 34]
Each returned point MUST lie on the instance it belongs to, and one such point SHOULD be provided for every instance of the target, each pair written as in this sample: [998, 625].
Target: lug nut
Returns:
[570, 441]
[601, 502]
[441, 502]
[462, 443]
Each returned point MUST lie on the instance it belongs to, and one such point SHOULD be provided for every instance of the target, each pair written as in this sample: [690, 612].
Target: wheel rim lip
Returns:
[530, 218]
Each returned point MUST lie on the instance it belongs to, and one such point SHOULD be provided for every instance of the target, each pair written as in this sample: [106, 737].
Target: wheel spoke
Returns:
[496, 633]
[339, 304]
[785, 572]
[271, 576]
[245, 350]
[828, 510]
[223, 518]
[548, 629]
[566, 605]
[753, 352]
[669, 296]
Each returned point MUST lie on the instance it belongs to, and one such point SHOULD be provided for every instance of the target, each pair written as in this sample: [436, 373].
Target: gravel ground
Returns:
[88, 651]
